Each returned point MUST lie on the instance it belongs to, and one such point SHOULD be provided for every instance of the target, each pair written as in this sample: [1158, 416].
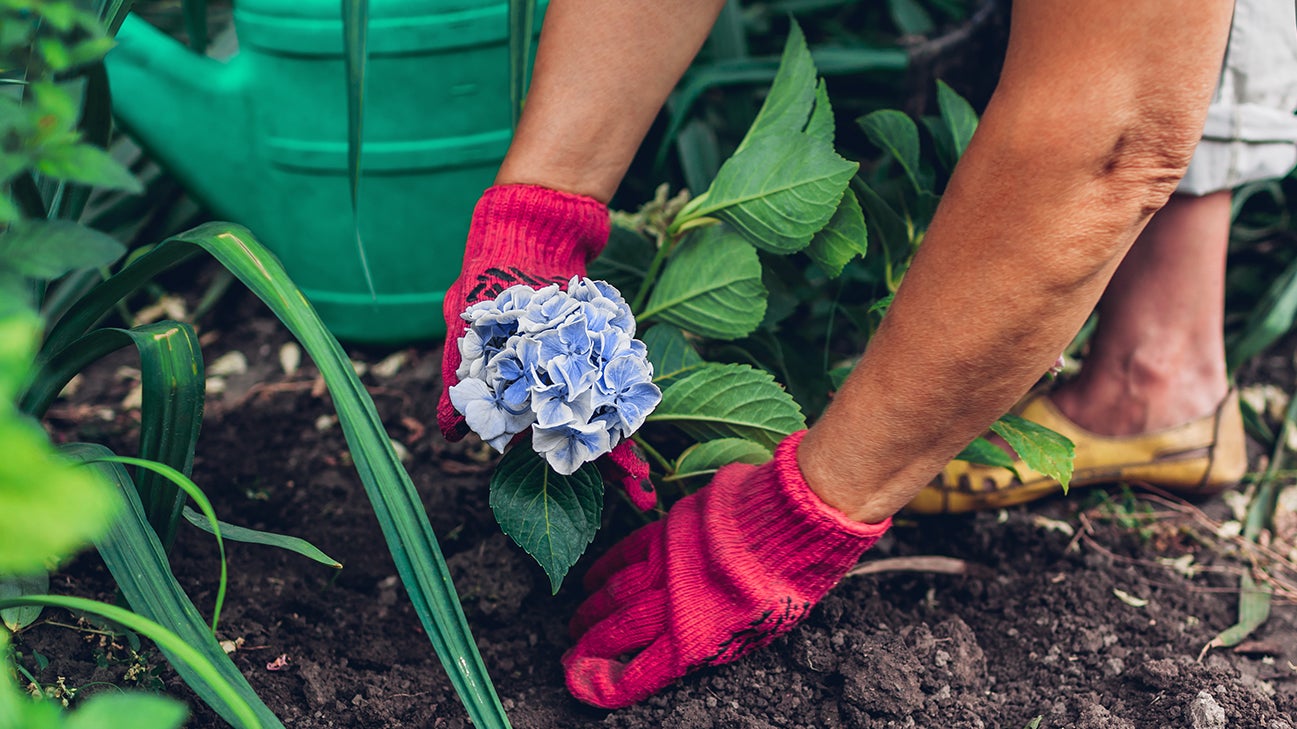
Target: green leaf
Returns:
[36, 583]
[522, 14]
[792, 94]
[146, 711]
[839, 375]
[183, 483]
[135, 558]
[551, 516]
[397, 504]
[778, 192]
[821, 125]
[958, 116]
[845, 237]
[1253, 612]
[235, 533]
[1043, 450]
[20, 331]
[1270, 320]
[941, 140]
[704, 459]
[171, 413]
[887, 229]
[355, 36]
[895, 133]
[710, 286]
[179, 652]
[8, 211]
[47, 249]
[730, 401]
[196, 24]
[624, 260]
[37, 488]
[910, 17]
[986, 453]
[670, 353]
[90, 166]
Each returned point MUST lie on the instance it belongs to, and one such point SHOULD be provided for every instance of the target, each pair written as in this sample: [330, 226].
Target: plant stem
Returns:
[664, 248]
[652, 452]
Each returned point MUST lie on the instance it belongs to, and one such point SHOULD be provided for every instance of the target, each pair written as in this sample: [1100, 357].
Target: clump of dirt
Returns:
[1084, 631]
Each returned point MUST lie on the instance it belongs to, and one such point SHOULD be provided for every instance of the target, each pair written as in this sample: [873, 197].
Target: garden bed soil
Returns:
[1086, 631]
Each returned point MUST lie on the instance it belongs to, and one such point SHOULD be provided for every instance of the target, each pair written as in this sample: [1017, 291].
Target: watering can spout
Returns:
[176, 103]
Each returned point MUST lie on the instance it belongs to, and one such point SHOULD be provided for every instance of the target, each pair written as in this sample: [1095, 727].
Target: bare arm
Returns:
[603, 70]
[1093, 123]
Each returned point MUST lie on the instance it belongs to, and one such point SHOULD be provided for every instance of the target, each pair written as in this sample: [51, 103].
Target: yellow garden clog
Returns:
[1199, 458]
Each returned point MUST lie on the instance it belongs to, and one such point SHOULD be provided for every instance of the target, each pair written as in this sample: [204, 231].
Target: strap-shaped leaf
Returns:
[730, 401]
[171, 411]
[710, 286]
[235, 533]
[396, 503]
[551, 516]
[522, 19]
[134, 555]
[239, 711]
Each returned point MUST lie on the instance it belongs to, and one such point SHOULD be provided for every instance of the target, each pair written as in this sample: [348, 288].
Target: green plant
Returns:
[723, 283]
[54, 124]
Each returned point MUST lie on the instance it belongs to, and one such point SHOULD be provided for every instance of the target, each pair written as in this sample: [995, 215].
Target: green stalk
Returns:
[164, 638]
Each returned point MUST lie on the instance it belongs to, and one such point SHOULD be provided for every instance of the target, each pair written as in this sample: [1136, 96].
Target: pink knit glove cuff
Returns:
[791, 532]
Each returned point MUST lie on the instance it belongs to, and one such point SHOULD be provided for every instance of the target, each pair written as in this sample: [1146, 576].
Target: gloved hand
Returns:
[526, 234]
[729, 569]
[520, 234]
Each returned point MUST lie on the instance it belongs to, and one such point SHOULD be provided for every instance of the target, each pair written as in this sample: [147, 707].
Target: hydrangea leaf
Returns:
[552, 517]
[36, 487]
[1042, 449]
[711, 286]
[730, 401]
[624, 260]
[844, 238]
[48, 249]
[985, 453]
[897, 134]
[778, 191]
[17, 618]
[958, 116]
[792, 93]
[821, 124]
[670, 353]
[704, 459]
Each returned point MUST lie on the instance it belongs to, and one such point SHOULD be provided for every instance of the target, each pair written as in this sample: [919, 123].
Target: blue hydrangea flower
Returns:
[564, 363]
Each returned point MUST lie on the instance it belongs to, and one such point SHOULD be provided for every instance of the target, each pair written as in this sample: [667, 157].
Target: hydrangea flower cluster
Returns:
[563, 363]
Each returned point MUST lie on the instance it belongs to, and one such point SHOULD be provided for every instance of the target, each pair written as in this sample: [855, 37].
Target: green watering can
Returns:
[262, 140]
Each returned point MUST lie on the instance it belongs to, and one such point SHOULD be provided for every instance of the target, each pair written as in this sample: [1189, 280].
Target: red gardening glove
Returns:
[525, 234]
[520, 234]
[729, 569]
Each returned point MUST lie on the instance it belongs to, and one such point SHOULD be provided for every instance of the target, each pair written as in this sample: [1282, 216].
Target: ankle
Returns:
[1139, 399]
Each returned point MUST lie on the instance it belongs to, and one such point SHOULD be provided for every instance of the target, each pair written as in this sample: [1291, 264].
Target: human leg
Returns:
[1157, 359]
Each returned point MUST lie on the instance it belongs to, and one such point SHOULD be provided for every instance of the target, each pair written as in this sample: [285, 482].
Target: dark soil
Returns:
[1047, 624]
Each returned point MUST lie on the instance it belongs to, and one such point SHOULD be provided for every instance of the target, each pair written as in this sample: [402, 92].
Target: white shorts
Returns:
[1251, 131]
